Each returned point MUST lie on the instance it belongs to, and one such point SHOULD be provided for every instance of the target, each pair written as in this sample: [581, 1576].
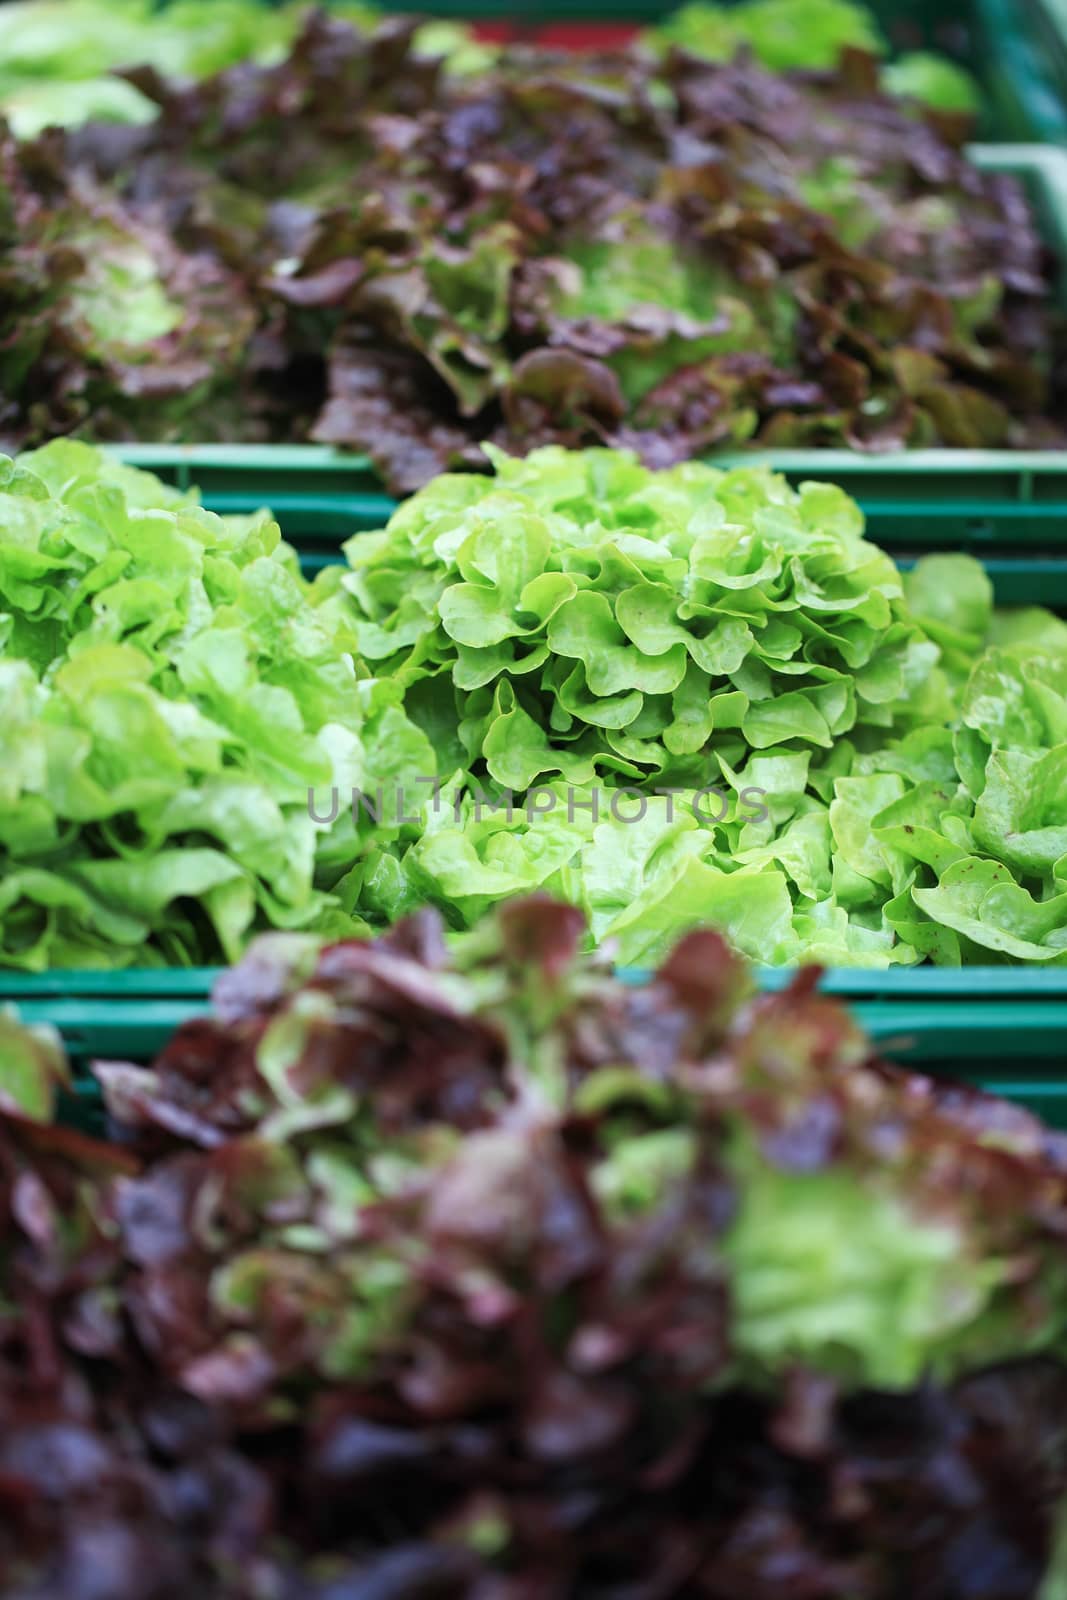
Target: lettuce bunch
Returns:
[672, 699]
[425, 250]
[107, 322]
[493, 1275]
[445, 1079]
[702, 697]
[64, 63]
[989, 836]
[782, 34]
[595, 618]
[167, 700]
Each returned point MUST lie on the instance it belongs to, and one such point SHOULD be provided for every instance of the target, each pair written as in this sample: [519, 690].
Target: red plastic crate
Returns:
[560, 35]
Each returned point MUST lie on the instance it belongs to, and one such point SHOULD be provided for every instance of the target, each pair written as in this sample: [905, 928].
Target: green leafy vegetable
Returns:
[56, 55]
[701, 697]
[33, 1067]
[34, 106]
[594, 628]
[673, 699]
[934, 81]
[782, 34]
[388, 240]
[167, 701]
[407, 1271]
[398, 1249]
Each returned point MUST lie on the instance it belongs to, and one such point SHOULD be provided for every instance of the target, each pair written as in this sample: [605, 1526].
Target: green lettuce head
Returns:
[702, 697]
[588, 617]
[168, 698]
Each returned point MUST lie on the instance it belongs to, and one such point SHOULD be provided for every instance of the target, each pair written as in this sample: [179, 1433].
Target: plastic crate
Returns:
[1013, 1047]
[1025, 82]
[1046, 26]
[994, 502]
[186, 991]
[962, 1020]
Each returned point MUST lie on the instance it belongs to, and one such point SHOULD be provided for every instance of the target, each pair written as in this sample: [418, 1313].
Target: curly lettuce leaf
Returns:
[697, 697]
[171, 699]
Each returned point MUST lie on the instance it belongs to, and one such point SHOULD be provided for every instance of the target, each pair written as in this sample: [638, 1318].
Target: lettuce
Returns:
[664, 254]
[672, 699]
[934, 81]
[429, 1272]
[701, 697]
[782, 34]
[874, 1228]
[56, 55]
[33, 1069]
[812, 35]
[31, 107]
[168, 699]
[836, 1272]
[609, 642]
[107, 322]
[597, 618]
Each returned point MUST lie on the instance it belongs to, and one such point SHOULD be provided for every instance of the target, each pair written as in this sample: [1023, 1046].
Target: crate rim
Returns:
[1017, 1043]
[324, 458]
[134, 986]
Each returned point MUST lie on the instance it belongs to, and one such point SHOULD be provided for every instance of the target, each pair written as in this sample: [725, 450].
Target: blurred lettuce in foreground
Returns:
[578, 1280]
[33, 1068]
[881, 1229]
[35, 105]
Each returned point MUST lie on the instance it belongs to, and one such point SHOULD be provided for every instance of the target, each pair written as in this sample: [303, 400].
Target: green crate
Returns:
[114, 1029]
[960, 1020]
[1023, 82]
[191, 988]
[994, 502]
[1014, 1048]
[1046, 27]
[977, 1015]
